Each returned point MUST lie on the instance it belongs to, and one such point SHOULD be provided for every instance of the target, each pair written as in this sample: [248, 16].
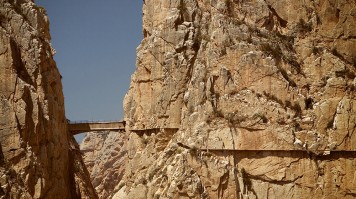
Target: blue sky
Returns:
[96, 45]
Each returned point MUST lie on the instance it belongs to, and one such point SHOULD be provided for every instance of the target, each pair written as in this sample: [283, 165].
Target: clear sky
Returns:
[96, 45]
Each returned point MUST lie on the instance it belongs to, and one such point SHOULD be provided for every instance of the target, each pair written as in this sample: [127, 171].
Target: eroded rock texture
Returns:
[105, 156]
[243, 99]
[38, 156]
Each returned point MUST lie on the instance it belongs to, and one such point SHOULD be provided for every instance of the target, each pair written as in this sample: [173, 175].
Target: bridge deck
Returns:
[82, 127]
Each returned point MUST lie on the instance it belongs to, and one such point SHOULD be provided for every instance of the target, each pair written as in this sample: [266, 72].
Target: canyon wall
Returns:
[104, 154]
[39, 158]
[243, 99]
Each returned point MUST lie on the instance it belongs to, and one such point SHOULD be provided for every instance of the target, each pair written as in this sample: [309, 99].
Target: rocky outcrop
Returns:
[243, 99]
[105, 156]
[38, 156]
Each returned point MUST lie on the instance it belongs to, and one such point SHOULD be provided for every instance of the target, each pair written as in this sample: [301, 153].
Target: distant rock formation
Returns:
[38, 156]
[105, 156]
[243, 99]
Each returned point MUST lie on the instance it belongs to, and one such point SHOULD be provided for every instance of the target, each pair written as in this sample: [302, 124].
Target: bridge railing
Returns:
[92, 121]
[82, 126]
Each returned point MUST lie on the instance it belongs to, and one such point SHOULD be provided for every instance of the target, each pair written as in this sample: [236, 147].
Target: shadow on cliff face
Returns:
[2, 159]
[77, 169]
[18, 64]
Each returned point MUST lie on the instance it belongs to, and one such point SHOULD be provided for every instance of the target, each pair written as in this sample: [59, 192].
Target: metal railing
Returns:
[93, 121]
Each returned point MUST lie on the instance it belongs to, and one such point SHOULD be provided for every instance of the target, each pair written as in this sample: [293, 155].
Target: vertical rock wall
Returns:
[243, 99]
[104, 154]
[39, 158]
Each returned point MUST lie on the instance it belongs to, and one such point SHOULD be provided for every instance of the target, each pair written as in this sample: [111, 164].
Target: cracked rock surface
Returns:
[39, 158]
[104, 154]
[243, 99]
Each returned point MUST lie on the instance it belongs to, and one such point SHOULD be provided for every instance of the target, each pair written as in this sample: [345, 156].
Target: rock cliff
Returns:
[237, 99]
[104, 154]
[243, 99]
[38, 156]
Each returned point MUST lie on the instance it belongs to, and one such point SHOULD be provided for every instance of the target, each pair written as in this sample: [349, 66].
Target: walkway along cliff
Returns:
[39, 158]
[230, 99]
[242, 99]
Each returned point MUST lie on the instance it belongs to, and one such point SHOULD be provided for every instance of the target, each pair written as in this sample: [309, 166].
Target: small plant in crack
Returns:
[157, 196]
[236, 22]
[202, 34]
[273, 98]
[246, 179]
[291, 59]
[142, 181]
[281, 121]
[235, 119]
[324, 81]
[42, 9]
[280, 47]
[286, 77]
[353, 62]
[183, 13]
[219, 113]
[303, 27]
[145, 141]
[182, 6]
[275, 51]
[347, 73]
[194, 151]
[288, 103]
[2, 21]
[335, 52]
[271, 49]
[297, 110]
[316, 50]
[287, 40]
[295, 107]
[352, 88]
[330, 124]
[261, 116]
[249, 40]
[296, 126]
[309, 103]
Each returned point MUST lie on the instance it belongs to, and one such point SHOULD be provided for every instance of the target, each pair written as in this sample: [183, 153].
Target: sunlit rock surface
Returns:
[38, 156]
[242, 99]
[105, 156]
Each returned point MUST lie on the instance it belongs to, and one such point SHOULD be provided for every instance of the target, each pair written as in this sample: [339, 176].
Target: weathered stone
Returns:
[105, 156]
[242, 99]
[261, 94]
[39, 158]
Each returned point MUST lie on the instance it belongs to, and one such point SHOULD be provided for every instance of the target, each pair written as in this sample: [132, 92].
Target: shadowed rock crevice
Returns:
[18, 64]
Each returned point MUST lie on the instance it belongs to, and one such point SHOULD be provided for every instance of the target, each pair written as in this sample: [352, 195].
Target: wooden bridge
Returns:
[77, 127]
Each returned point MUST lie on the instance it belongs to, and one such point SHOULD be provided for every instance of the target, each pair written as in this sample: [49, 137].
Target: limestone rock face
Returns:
[105, 156]
[243, 99]
[38, 156]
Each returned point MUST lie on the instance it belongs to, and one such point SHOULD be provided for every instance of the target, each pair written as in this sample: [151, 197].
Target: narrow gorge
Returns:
[236, 99]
